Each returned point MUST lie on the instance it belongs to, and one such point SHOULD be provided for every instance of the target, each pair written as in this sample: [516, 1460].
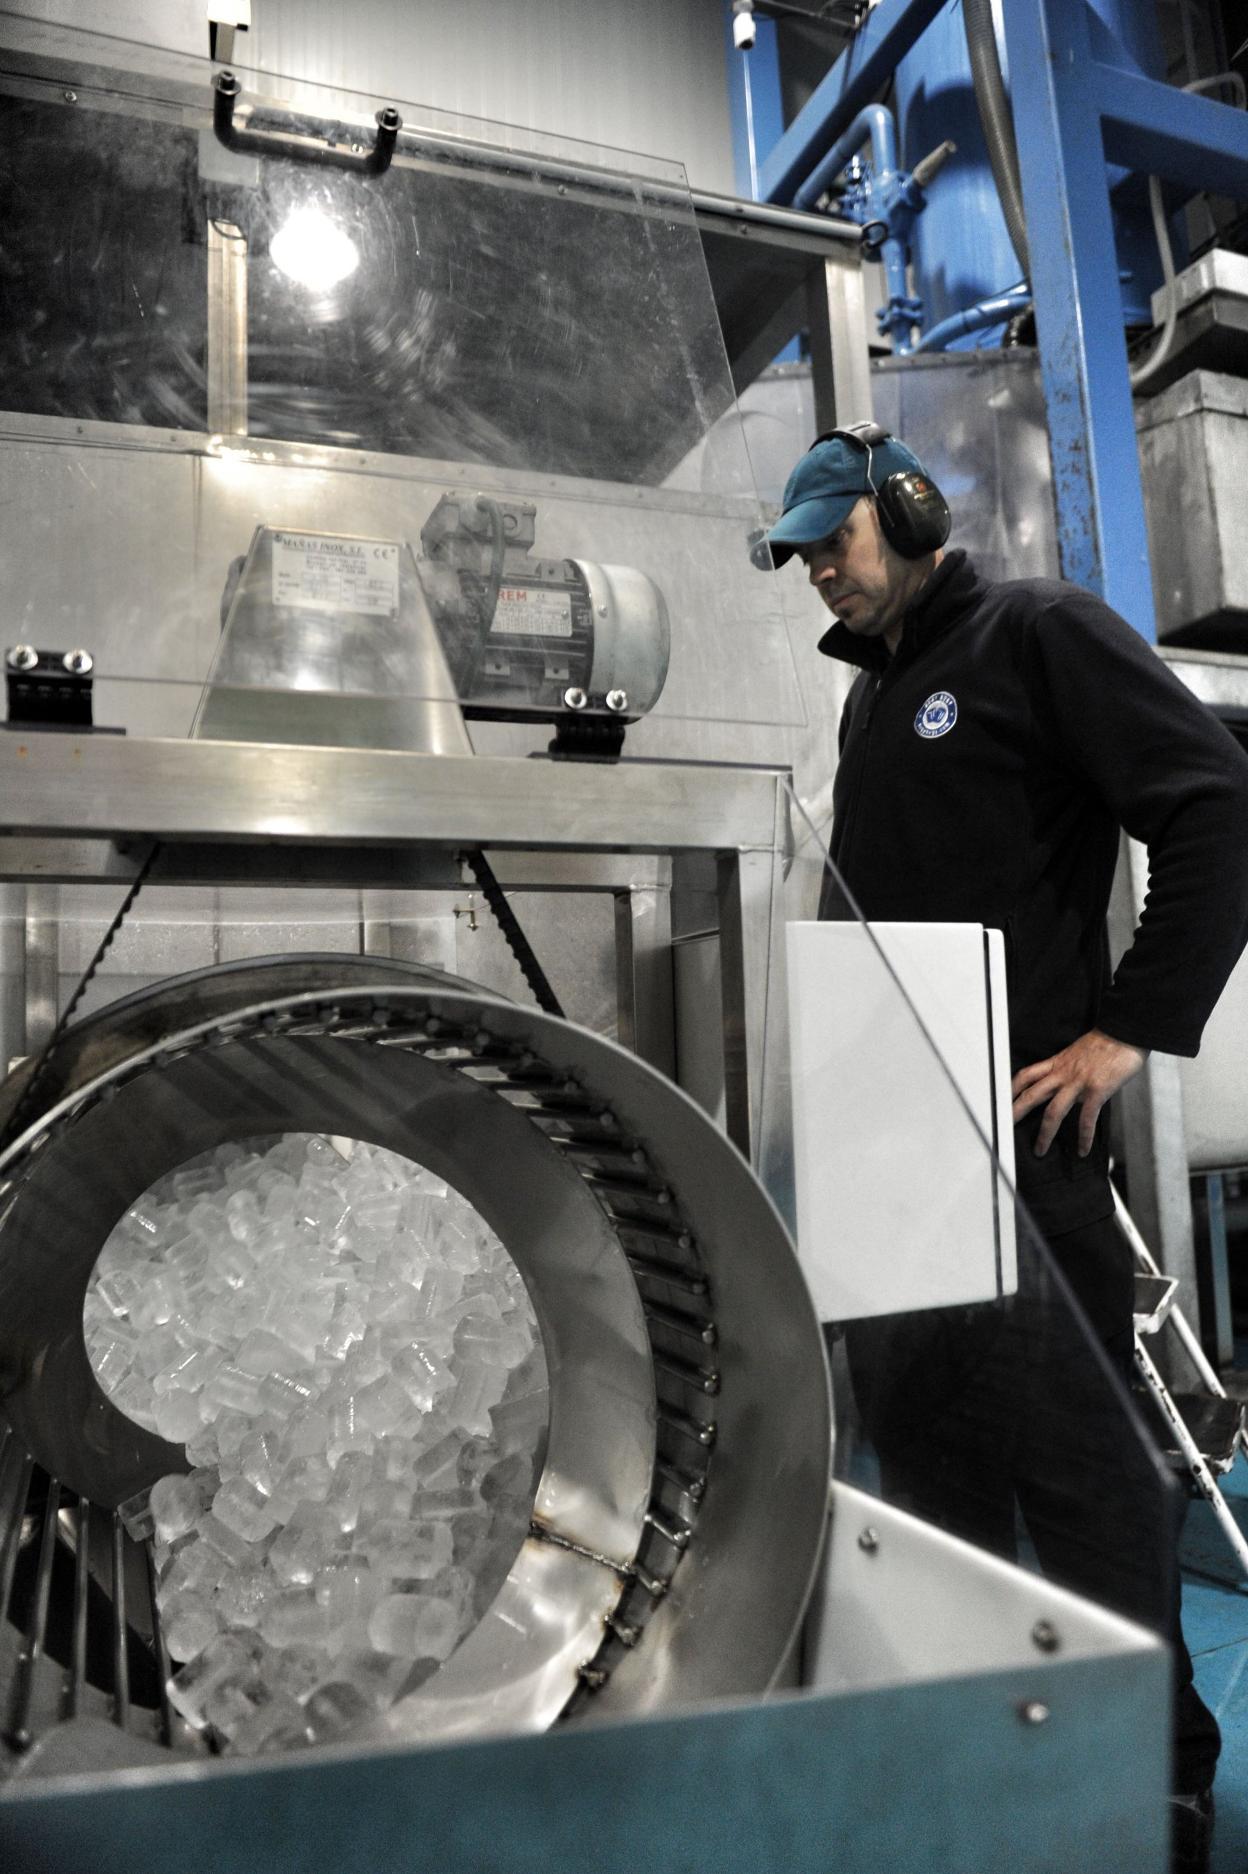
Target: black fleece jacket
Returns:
[985, 771]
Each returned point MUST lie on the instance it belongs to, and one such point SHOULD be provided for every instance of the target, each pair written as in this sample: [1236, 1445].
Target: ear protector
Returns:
[914, 515]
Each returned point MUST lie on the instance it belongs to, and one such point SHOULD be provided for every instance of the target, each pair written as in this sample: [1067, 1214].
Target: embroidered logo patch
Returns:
[937, 716]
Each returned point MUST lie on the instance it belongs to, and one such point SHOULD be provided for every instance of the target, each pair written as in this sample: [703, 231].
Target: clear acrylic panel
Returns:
[982, 1364]
[277, 423]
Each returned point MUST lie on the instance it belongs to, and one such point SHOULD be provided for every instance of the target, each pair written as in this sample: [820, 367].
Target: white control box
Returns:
[903, 1166]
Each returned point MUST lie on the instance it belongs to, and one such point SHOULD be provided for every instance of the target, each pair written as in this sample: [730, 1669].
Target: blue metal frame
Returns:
[1080, 104]
[1074, 112]
[862, 71]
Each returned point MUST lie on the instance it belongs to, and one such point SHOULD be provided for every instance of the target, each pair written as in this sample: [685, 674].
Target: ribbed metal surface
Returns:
[646, 75]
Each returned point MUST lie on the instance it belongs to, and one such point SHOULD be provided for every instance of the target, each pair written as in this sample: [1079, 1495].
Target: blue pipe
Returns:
[976, 318]
[873, 122]
[886, 196]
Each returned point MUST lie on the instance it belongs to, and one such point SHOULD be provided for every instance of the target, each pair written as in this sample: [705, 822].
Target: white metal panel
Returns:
[898, 1202]
[173, 25]
[646, 75]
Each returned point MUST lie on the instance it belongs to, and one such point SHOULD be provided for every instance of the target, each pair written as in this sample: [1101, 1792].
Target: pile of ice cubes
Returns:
[351, 1360]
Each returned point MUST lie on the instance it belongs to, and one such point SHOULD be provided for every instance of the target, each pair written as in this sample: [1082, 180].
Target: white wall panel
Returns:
[647, 75]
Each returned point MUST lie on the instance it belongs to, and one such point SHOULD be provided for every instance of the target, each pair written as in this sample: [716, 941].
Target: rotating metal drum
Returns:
[680, 1507]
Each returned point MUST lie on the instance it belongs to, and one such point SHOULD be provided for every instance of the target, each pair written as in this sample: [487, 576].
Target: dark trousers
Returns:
[979, 1414]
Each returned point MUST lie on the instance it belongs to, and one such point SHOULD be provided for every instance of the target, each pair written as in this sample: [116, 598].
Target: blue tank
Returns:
[961, 251]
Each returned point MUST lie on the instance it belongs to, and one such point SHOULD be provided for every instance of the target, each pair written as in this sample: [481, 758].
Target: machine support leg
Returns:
[643, 961]
[1219, 1269]
[840, 356]
[42, 964]
[227, 329]
[755, 1018]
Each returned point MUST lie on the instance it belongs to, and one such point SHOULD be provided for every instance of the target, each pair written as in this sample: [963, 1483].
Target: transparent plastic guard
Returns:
[971, 1387]
[400, 442]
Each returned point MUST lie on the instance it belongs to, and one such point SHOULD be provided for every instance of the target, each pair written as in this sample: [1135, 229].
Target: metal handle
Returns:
[374, 162]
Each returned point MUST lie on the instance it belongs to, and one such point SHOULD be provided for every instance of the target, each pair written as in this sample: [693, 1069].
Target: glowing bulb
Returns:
[310, 250]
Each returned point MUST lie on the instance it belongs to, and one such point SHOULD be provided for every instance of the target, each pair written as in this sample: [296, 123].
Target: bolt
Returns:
[78, 663]
[23, 657]
[617, 700]
[70, 97]
[602, 611]
[869, 1541]
[1045, 1635]
[1032, 1711]
[563, 188]
[574, 699]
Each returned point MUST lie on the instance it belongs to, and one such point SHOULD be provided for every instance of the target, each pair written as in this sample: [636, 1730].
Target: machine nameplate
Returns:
[322, 574]
[524, 610]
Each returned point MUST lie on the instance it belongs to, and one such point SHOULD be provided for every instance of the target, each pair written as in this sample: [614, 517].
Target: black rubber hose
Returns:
[997, 121]
[509, 924]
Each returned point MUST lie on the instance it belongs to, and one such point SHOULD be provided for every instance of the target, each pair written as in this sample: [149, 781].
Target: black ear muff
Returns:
[914, 515]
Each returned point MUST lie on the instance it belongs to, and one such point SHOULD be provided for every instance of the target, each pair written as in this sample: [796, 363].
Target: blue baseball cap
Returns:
[826, 485]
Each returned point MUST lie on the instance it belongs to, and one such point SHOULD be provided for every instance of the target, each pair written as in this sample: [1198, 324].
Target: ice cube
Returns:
[136, 1515]
[111, 1360]
[294, 1617]
[236, 1550]
[424, 1376]
[347, 1590]
[189, 1623]
[243, 1594]
[276, 1723]
[244, 1509]
[335, 1709]
[414, 1626]
[408, 1550]
[283, 1394]
[305, 1546]
[346, 1432]
[191, 1688]
[136, 1399]
[175, 1503]
[383, 1498]
[154, 1305]
[351, 1476]
[258, 1460]
[177, 1417]
[303, 1480]
[383, 1406]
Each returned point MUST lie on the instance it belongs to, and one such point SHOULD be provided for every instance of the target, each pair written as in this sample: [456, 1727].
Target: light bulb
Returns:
[310, 250]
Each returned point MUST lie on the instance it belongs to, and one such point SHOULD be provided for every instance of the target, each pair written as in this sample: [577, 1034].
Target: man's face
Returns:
[858, 575]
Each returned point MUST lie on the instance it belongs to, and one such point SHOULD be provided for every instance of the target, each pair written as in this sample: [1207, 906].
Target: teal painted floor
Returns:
[1215, 1623]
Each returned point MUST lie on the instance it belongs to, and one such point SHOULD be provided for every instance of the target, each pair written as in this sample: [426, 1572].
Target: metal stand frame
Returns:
[1199, 1466]
[249, 814]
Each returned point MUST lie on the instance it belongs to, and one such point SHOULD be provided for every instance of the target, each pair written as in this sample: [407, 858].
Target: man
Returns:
[996, 739]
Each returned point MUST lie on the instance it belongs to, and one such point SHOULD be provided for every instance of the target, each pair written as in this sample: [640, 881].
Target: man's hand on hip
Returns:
[1089, 1072]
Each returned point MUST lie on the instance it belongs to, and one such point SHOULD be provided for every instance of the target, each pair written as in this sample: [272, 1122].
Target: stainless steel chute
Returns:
[681, 1504]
